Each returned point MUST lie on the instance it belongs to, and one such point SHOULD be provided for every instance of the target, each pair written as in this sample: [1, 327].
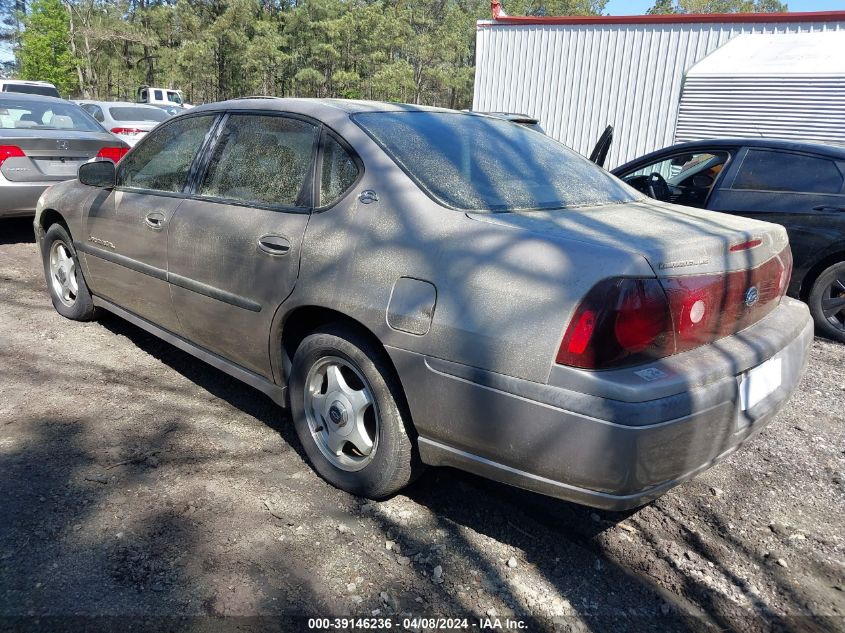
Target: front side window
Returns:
[763, 170]
[262, 159]
[685, 178]
[473, 162]
[339, 171]
[163, 160]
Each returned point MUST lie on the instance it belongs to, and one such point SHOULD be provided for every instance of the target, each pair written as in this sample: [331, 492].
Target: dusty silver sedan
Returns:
[424, 286]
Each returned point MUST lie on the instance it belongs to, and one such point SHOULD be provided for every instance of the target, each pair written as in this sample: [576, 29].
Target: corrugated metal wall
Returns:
[577, 79]
[808, 109]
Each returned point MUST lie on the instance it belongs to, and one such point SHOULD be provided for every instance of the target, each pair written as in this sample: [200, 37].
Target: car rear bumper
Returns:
[18, 199]
[611, 453]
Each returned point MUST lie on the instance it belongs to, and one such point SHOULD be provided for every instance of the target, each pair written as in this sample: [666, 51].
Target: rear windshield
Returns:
[130, 113]
[30, 89]
[47, 115]
[472, 162]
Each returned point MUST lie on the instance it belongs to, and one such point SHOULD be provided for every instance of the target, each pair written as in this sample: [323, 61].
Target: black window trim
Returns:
[195, 178]
[213, 114]
[318, 172]
[840, 165]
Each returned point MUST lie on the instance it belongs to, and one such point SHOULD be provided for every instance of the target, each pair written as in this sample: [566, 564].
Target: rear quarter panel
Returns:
[503, 295]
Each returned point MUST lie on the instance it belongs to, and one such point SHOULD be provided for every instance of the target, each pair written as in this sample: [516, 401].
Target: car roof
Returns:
[25, 96]
[313, 106]
[26, 82]
[837, 151]
[122, 104]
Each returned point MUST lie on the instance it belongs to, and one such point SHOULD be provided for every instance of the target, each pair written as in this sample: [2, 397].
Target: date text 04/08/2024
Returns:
[415, 623]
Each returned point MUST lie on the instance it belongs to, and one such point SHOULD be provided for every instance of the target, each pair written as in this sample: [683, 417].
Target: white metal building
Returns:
[579, 74]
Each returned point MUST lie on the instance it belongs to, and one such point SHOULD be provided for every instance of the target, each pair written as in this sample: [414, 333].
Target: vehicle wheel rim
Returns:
[833, 303]
[342, 413]
[63, 273]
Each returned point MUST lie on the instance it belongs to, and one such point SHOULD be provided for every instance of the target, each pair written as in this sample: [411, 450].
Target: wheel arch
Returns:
[301, 321]
[818, 268]
[48, 217]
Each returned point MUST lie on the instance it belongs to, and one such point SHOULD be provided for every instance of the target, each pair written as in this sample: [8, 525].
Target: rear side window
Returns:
[163, 160]
[263, 160]
[338, 173]
[782, 171]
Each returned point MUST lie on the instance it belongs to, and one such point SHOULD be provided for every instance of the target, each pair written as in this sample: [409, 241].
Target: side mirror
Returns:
[99, 173]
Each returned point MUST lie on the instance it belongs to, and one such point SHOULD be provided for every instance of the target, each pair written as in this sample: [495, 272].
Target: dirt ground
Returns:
[145, 488]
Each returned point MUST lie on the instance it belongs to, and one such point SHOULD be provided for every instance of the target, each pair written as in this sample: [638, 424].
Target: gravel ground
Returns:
[139, 483]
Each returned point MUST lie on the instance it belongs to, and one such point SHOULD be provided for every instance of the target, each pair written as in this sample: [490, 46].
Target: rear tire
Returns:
[65, 282]
[827, 302]
[336, 373]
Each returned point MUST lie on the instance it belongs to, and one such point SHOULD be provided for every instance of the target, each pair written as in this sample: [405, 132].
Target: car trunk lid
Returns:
[675, 240]
[51, 156]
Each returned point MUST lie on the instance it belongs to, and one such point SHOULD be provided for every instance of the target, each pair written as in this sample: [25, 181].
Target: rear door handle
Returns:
[155, 220]
[274, 244]
[828, 207]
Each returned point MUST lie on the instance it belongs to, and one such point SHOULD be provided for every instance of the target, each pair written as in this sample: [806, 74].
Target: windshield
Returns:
[174, 97]
[472, 162]
[47, 115]
[135, 113]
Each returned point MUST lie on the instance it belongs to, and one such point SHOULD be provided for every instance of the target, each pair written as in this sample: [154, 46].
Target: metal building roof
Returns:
[576, 75]
[777, 55]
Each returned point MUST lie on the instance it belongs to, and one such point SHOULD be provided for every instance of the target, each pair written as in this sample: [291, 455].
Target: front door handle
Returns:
[155, 220]
[274, 244]
[828, 207]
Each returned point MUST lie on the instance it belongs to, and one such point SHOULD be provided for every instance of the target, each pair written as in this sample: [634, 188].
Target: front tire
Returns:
[350, 414]
[827, 302]
[67, 286]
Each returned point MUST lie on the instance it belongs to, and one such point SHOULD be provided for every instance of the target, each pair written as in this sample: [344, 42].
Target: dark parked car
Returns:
[44, 140]
[425, 286]
[798, 185]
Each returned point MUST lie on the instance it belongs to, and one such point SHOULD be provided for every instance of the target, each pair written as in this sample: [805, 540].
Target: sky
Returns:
[635, 7]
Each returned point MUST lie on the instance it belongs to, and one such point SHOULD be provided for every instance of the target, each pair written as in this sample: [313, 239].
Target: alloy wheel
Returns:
[833, 303]
[63, 273]
[342, 413]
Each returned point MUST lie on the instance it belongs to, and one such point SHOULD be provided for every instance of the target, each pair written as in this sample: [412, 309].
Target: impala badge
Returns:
[97, 240]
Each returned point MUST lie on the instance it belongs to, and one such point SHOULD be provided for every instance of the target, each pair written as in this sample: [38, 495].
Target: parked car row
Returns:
[424, 286]
[44, 139]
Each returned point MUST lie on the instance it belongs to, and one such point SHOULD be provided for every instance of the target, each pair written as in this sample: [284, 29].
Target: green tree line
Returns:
[399, 50]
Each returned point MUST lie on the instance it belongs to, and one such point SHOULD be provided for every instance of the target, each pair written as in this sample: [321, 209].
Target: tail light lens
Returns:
[620, 321]
[127, 131]
[113, 154]
[10, 151]
[625, 321]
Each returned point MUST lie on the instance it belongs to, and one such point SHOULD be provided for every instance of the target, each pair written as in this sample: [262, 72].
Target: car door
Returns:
[686, 177]
[234, 246]
[126, 228]
[800, 190]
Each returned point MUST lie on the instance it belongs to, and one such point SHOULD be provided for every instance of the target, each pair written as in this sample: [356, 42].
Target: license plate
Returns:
[759, 383]
[67, 168]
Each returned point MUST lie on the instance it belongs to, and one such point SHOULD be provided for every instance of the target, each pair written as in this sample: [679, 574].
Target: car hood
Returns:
[675, 240]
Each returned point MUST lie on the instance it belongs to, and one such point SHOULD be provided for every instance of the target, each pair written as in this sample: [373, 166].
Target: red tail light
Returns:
[624, 321]
[10, 151]
[113, 154]
[127, 131]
